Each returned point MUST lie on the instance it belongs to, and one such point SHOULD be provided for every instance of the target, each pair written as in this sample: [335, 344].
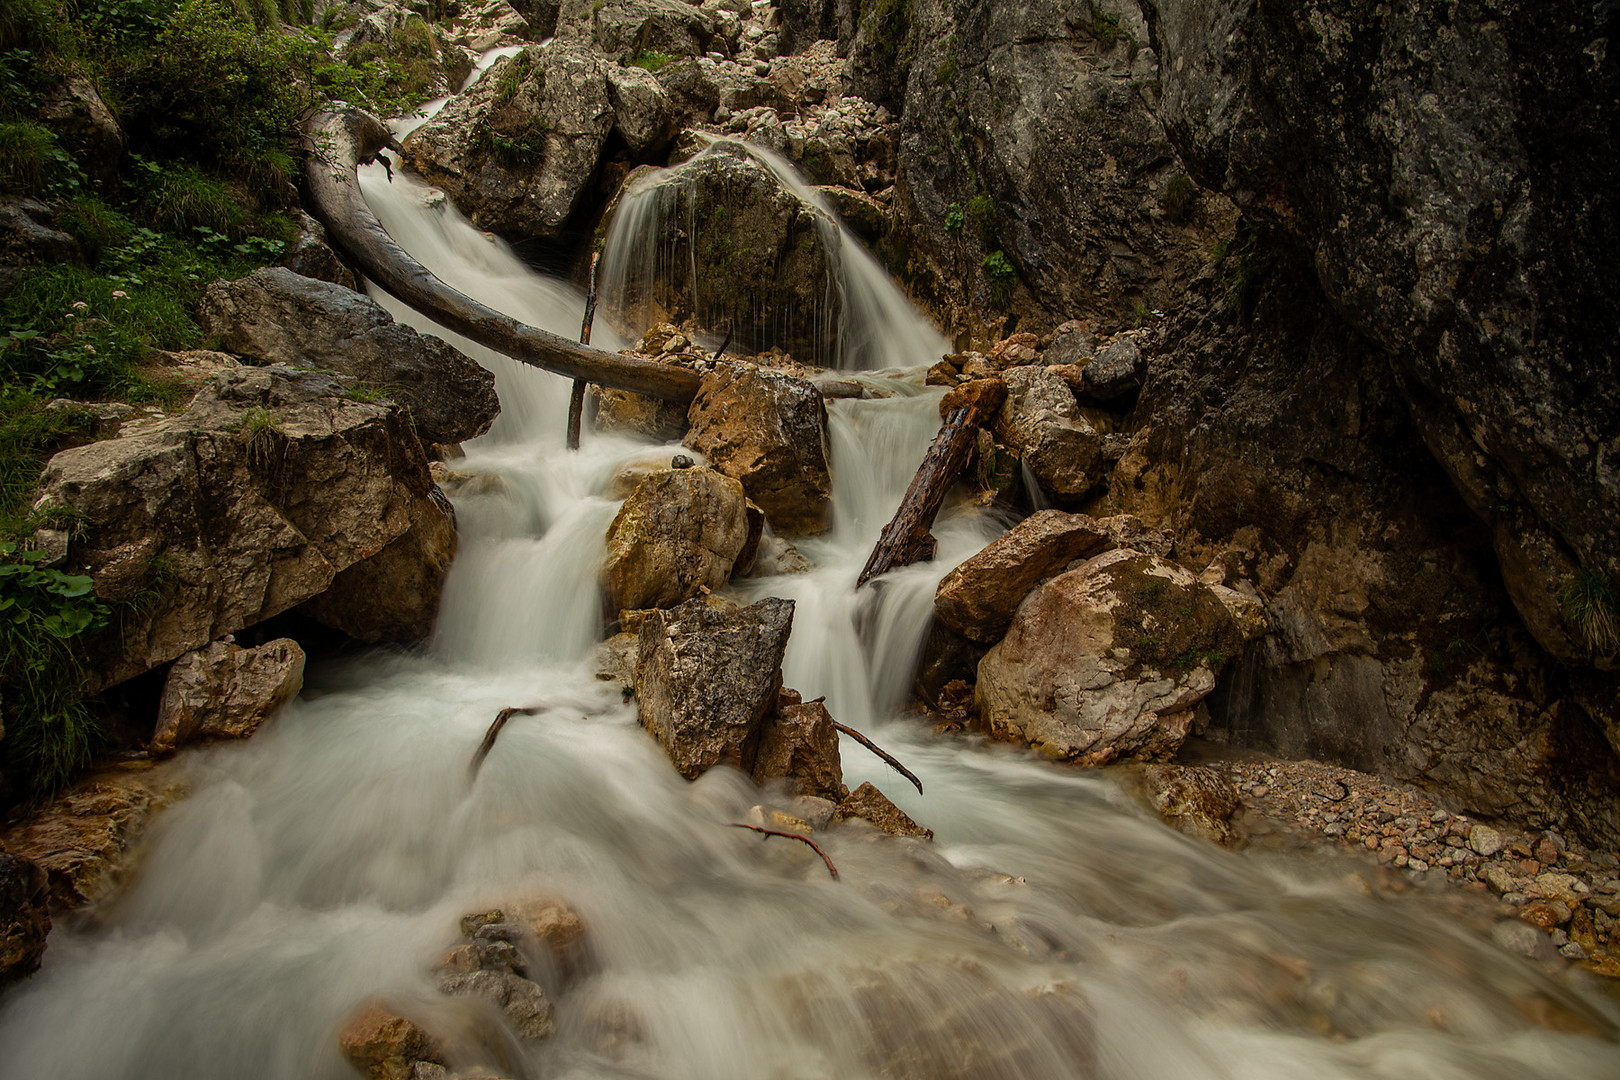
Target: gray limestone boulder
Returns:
[643, 114]
[272, 483]
[518, 150]
[226, 692]
[1109, 659]
[706, 678]
[627, 29]
[1042, 422]
[277, 316]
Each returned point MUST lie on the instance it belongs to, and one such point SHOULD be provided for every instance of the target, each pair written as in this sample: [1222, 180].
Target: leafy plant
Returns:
[50, 734]
[997, 267]
[953, 219]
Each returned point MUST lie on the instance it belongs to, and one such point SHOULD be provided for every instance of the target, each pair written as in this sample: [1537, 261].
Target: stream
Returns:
[1053, 928]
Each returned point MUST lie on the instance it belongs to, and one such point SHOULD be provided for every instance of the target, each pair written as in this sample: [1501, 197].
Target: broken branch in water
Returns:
[576, 401]
[892, 761]
[831, 869]
[494, 731]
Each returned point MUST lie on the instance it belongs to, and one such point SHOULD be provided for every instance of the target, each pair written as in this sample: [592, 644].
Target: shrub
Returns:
[1588, 600]
[29, 156]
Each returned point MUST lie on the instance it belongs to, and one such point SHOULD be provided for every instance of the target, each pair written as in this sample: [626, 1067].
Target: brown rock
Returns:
[552, 925]
[384, 1045]
[87, 840]
[705, 680]
[25, 917]
[226, 692]
[1195, 800]
[769, 431]
[870, 804]
[983, 395]
[800, 742]
[1546, 914]
[679, 532]
[979, 597]
[523, 1004]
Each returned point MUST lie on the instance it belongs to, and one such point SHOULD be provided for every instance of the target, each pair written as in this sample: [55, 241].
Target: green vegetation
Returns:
[985, 214]
[997, 267]
[1588, 601]
[652, 60]
[209, 96]
[945, 73]
[953, 219]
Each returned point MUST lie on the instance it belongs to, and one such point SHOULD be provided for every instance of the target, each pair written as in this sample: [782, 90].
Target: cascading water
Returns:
[863, 319]
[1051, 930]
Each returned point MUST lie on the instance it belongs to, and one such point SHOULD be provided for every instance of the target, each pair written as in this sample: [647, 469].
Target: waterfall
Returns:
[1053, 929]
[865, 321]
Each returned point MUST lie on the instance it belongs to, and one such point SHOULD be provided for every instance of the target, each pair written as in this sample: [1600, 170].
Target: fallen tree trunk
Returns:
[335, 143]
[906, 539]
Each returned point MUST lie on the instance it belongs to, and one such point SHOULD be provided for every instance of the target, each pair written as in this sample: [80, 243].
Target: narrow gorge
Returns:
[909, 539]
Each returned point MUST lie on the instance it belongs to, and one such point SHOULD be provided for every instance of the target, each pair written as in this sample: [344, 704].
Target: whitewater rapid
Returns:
[1052, 929]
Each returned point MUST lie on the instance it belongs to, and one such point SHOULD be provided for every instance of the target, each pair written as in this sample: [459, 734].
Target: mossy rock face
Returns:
[1110, 659]
[720, 244]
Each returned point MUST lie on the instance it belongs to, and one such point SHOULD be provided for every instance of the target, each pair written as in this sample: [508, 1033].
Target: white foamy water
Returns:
[1052, 930]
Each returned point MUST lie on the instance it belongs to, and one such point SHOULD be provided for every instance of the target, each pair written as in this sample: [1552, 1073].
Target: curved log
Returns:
[335, 143]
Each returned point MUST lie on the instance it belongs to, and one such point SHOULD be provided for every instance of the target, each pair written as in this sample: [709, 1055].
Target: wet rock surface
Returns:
[768, 430]
[798, 742]
[1042, 422]
[25, 918]
[276, 316]
[88, 840]
[871, 805]
[679, 532]
[705, 680]
[226, 692]
[250, 502]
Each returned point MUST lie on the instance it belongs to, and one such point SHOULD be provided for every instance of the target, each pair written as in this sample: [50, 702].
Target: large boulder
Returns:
[25, 917]
[628, 29]
[678, 533]
[84, 124]
[518, 150]
[226, 691]
[753, 256]
[769, 431]
[978, 598]
[706, 678]
[277, 316]
[1043, 423]
[1110, 659]
[252, 501]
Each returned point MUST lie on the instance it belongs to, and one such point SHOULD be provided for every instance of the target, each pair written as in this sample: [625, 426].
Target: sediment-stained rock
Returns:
[678, 533]
[226, 691]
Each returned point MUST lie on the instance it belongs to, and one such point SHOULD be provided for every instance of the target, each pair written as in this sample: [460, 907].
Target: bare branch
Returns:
[831, 869]
[494, 731]
[892, 761]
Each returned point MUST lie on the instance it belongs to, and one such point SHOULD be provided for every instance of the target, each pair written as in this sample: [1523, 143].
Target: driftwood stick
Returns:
[831, 869]
[906, 538]
[494, 732]
[893, 762]
[576, 400]
[334, 143]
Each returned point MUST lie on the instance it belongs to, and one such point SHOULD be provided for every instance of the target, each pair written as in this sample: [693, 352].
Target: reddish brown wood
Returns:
[831, 869]
[576, 400]
[906, 538]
